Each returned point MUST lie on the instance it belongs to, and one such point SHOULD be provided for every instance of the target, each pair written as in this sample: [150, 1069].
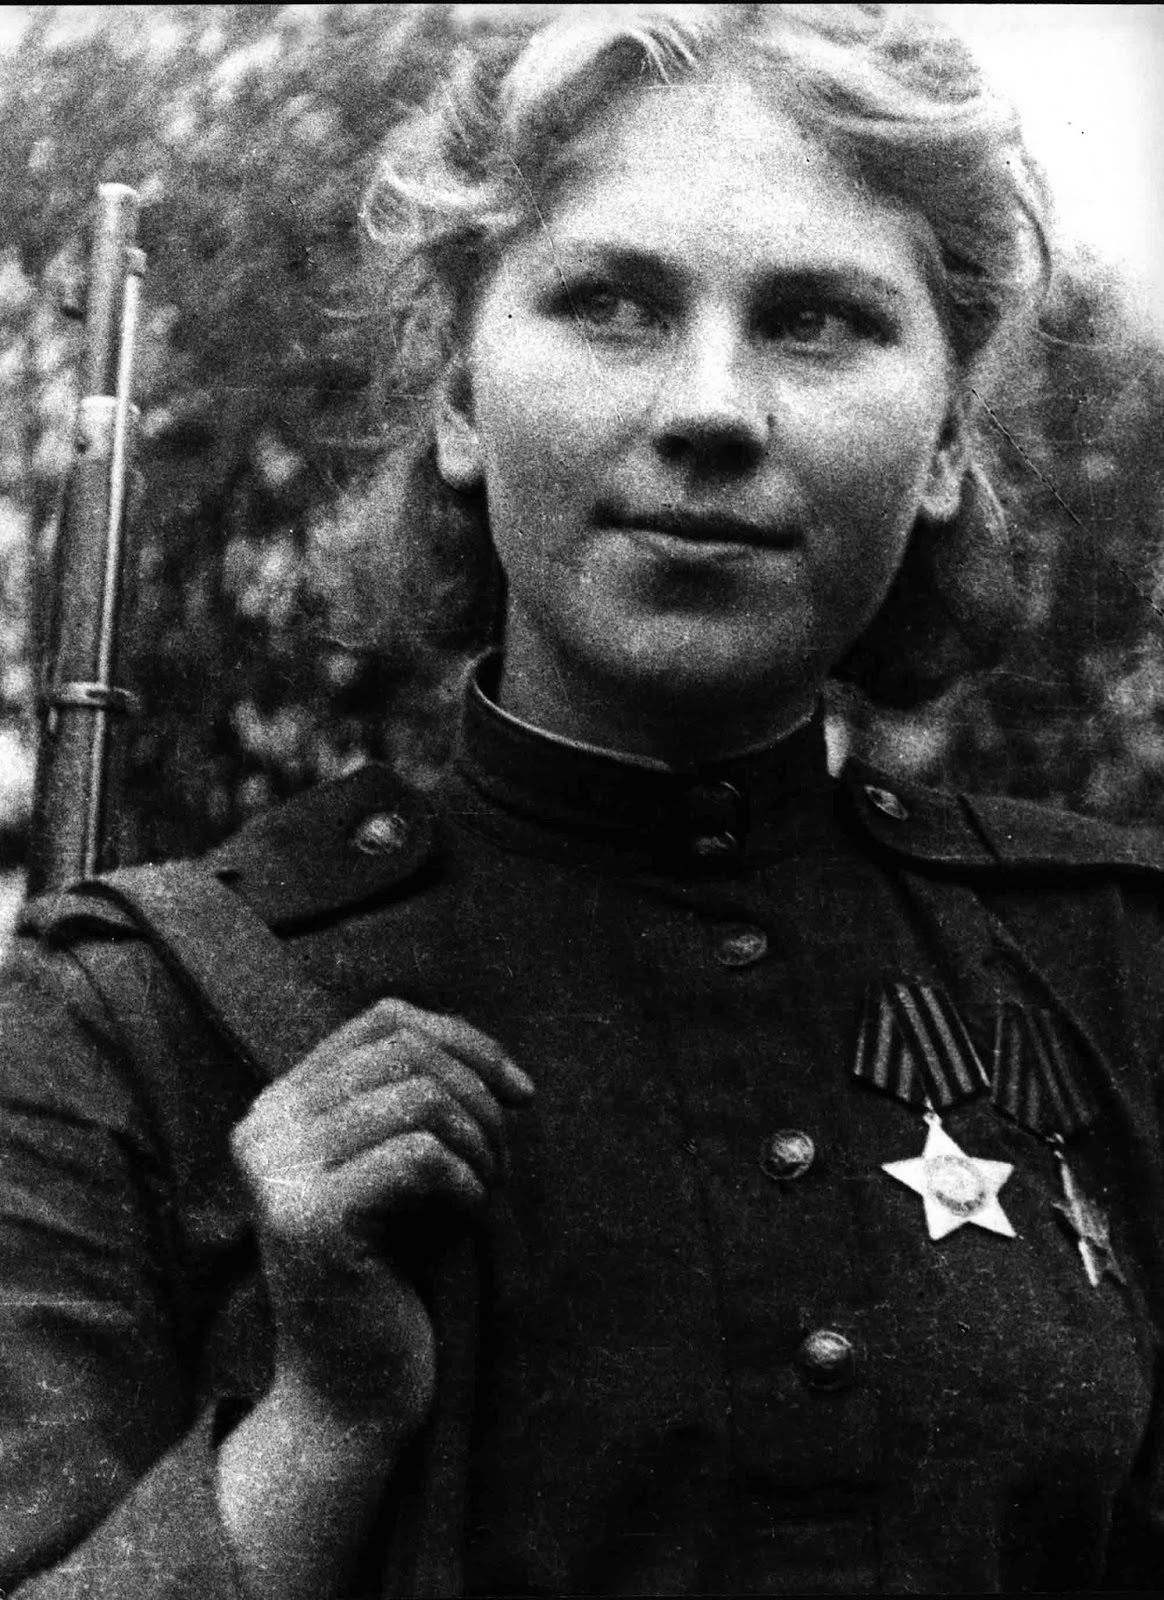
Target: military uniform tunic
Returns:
[719, 1351]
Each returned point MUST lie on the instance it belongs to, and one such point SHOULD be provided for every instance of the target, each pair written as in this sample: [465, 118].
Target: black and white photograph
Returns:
[581, 800]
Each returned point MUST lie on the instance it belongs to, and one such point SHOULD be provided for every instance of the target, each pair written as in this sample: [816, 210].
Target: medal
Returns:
[1089, 1224]
[915, 1046]
[955, 1188]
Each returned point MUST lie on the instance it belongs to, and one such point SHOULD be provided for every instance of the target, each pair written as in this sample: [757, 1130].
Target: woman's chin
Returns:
[681, 665]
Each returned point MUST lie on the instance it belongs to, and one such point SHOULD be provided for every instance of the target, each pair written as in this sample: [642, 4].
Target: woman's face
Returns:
[707, 397]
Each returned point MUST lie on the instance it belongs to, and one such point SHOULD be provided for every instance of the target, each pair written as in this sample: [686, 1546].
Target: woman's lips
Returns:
[701, 542]
[697, 528]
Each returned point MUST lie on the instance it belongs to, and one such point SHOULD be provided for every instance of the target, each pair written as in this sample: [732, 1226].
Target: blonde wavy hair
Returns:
[896, 97]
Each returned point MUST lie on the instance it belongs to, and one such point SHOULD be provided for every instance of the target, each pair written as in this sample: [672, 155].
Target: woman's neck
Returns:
[659, 734]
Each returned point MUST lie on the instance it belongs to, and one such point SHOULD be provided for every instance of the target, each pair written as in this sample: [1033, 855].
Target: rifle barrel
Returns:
[72, 811]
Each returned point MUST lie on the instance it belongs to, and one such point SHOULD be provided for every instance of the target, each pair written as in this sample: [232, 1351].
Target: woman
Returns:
[794, 1141]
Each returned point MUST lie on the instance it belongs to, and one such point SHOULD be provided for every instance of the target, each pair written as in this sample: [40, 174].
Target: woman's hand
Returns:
[396, 1115]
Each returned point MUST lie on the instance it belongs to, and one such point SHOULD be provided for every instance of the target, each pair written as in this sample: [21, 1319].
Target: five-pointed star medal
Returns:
[955, 1188]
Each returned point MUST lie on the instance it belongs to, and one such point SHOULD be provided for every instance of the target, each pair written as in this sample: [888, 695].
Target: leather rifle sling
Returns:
[267, 1007]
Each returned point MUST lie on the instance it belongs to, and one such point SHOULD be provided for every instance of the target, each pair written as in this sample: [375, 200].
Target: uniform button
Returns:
[719, 793]
[715, 846]
[890, 804]
[826, 1359]
[381, 834]
[789, 1153]
[741, 945]
[714, 821]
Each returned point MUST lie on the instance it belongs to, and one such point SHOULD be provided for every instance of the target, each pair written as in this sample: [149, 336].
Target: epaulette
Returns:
[324, 852]
[945, 828]
[329, 849]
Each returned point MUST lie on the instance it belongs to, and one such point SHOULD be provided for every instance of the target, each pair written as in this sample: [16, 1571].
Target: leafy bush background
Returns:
[249, 131]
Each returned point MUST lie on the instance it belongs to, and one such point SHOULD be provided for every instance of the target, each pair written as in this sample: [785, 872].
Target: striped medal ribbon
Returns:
[915, 1045]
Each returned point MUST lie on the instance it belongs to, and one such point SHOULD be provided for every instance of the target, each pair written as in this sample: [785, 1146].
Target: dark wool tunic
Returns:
[719, 1351]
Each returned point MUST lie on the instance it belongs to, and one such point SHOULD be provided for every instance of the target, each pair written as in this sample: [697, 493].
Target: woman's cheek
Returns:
[886, 408]
[883, 455]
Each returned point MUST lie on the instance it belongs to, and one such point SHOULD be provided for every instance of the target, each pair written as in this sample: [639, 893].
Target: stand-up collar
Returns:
[551, 795]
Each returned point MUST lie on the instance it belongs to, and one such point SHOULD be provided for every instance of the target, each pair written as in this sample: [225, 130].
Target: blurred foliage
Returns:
[1075, 714]
[249, 130]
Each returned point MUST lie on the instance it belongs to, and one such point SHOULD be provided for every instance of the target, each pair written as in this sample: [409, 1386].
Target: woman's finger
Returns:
[391, 1017]
[403, 1171]
[404, 1055]
[393, 1111]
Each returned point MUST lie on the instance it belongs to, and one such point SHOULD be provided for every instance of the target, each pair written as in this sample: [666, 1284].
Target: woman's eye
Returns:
[610, 309]
[820, 327]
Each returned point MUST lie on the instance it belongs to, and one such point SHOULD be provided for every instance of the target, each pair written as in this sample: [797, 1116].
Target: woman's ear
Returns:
[459, 457]
[942, 494]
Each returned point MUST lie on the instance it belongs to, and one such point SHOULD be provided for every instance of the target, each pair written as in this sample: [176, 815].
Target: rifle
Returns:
[81, 704]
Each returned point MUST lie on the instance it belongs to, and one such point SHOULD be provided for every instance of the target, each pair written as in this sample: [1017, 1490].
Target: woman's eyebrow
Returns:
[837, 281]
[616, 257]
[775, 279]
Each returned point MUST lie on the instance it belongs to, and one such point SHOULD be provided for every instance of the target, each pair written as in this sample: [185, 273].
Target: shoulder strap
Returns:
[252, 988]
[991, 832]
[264, 1003]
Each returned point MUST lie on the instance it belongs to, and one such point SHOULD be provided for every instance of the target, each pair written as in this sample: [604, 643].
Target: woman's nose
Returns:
[709, 413]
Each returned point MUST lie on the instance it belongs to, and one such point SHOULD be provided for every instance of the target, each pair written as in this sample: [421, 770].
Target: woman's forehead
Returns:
[662, 126]
[715, 168]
